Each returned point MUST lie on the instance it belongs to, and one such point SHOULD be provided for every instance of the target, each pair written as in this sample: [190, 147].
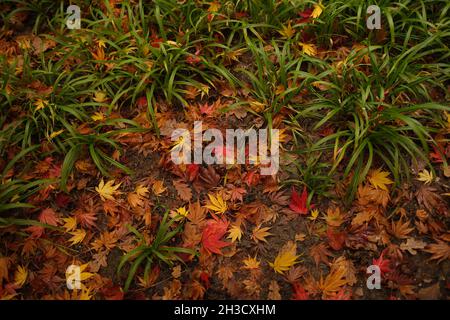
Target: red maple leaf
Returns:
[335, 239]
[192, 171]
[207, 109]
[383, 264]
[86, 218]
[305, 15]
[436, 156]
[214, 230]
[36, 231]
[298, 203]
[49, 217]
[340, 295]
[204, 277]
[141, 101]
[299, 292]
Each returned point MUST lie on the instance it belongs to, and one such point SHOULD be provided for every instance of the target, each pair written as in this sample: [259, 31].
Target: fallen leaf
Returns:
[298, 203]
[216, 204]
[440, 251]
[235, 233]
[411, 245]
[251, 263]
[20, 276]
[426, 176]
[78, 236]
[213, 232]
[183, 190]
[286, 258]
[107, 191]
[379, 179]
[260, 234]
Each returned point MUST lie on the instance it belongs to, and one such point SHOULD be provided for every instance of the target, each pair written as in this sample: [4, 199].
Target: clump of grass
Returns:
[158, 251]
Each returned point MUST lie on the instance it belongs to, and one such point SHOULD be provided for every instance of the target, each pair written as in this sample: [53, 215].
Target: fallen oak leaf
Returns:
[183, 190]
[411, 245]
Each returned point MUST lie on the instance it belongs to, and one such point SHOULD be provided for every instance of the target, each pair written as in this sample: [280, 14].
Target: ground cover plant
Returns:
[87, 178]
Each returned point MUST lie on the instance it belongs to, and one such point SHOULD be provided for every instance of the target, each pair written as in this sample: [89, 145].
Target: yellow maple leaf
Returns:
[287, 31]
[40, 104]
[216, 204]
[55, 134]
[251, 263]
[78, 236]
[158, 187]
[79, 272]
[135, 200]
[235, 233]
[286, 258]
[334, 280]
[70, 224]
[100, 96]
[426, 176]
[309, 49]
[182, 211]
[314, 214]
[260, 234]
[379, 179]
[214, 6]
[107, 190]
[98, 116]
[141, 190]
[318, 9]
[20, 276]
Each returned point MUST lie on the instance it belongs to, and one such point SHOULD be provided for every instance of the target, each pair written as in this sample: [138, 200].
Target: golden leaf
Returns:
[318, 8]
[379, 179]
[251, 263]
[426, 176]
[158, 187]
[309, 49]
[78, 236]
[20, 276]
[216, 204]
[286, 258]
[260, 234]
[70, 224]
[235, 233]
[107, 191]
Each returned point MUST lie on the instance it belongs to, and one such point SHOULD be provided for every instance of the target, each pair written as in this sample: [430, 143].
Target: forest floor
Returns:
[88, 181]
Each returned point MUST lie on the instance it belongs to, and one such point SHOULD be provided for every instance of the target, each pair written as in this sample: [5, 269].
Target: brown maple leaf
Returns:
[440, 251]
[236, 193]
[428, 197]
[320, 253]
[400, 229]
[197, 213]
[260, 234]
[208, 178]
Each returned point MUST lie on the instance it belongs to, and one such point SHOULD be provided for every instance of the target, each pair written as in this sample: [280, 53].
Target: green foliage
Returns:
[159, 250]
